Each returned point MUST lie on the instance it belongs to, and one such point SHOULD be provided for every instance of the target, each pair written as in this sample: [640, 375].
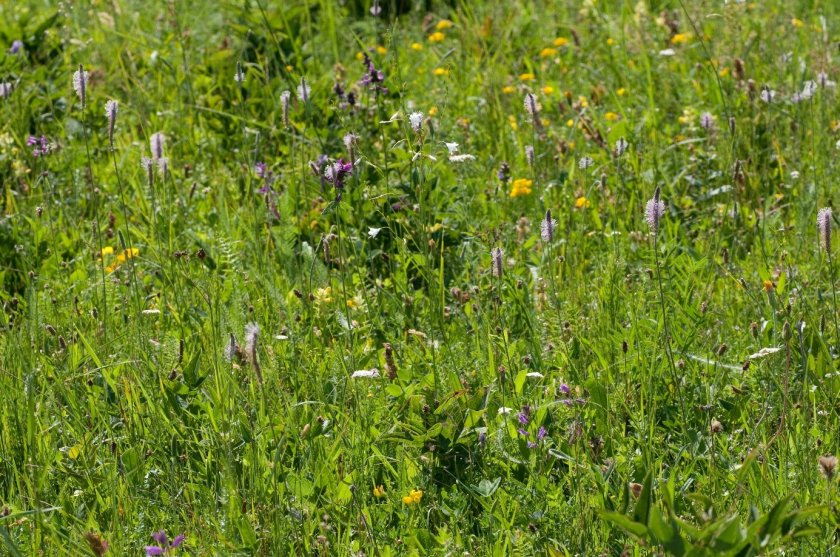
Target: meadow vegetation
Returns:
[405, 277]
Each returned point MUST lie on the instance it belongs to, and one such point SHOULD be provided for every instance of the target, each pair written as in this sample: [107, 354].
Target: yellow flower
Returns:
[724, 72]
[584, 102]
[323, 295]
[610, 41]
[520, 187]
[508, 89]
[433, 111]
[440, 71]
[379, 491]
[581, 202]
[514, 126]
[570, 123]
[443, 24]
[436, 37]
[416, 495]
[381, 49]
[681, 38]
[561, 41]
[416, 46]
[289, 68]
[546, 52]
[769, 286]
[547, 90]
[621, 91]
[527, 77]
[610, 116]
[107, 250]
[407, 500]
[796, 22]
[360, 56]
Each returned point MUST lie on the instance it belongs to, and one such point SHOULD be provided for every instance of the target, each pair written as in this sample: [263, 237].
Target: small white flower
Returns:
[585, 162]
[667, 52]
[5, 89]
[416, 120]
[239, 75]
[303, 91]
[461, 158]
[794, 175]
[156, 143]
[620, 146]
[453, 147]
[373, 232]
[80, 80]
[767, 95]
[366, 373]
[532, 106]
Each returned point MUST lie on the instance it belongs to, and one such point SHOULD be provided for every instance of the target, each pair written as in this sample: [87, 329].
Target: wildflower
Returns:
[239, 75]
[371, 373]
[667, 52]
[828, 465]
[508, 89]
[111, 113]
[379, 491]
[163, 167]
[440, 72]
[232, 349]
[547, 228]
[443, 24]
[547, 90]
[522, 432]
[620, 147]
[621, 91]
[824, 227]
[436, 37]
[707, 121]
[16, 47]
[284, 102]
[80, 80]
[376, 9]
[585, 162]
[560, 41]
[529, 155]
[416, 47]
[680, 38]
[260, 169]
[462, 157]
[496, 255]
[252, 333]
[768, 285]
[547, 52]
[581, 202]
[5, 89]
[808, 90]
[337, 171]
[532, 106]
[523, 419]
[521, 187]
[824, 81]
[654, 211]
[41, 145]
[373, 78]
[610, 116]
[107, 250]
[413, 497]
[482, 439]
[416, 120]
[148, 166]
[303, 91]
[349, 144]
[156, 144]
[527, 77]
[164, 547]
[541, 433]
[767, 94]
[796, 22]
[97, 545]
[504, 172]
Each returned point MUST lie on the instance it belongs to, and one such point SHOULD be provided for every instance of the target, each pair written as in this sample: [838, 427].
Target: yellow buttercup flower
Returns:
[508, 89]
[527, 77]
[610, 116]
[379, 491]
[621, 91]
[414, 497]
[381, 49]
[546, 52]
[547, 90]
[610, 41]
[440, 71]
[561, 41]
[796, 22]
[107, 250]
[443, 24]
[581, 202]
[681, 38]
[433, 111]
[416, 46]
[436, 37]
[521, 187]
[512, 119]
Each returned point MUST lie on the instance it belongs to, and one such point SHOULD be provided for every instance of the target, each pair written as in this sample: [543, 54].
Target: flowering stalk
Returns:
[824, 217]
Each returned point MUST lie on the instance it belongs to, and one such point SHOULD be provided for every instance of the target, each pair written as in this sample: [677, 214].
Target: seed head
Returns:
[532, 106]
[111, 113]
[547, 228]
[285, 96]
[496, 255]
[824, 227]
[654, 210]
[80, 80]
[828, 466]
[303, 91]
[156, 143]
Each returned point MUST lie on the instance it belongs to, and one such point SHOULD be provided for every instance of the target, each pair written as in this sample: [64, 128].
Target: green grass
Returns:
[667, 429]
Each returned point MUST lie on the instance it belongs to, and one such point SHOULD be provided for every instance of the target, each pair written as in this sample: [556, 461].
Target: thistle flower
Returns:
[416, 120]
[496, 255]
[620, 147]
[111, 113]
[824, 227]
[303, 91]
[80, 79]
[547, 228]
[285, 96]
[156, 143]
[654, 211]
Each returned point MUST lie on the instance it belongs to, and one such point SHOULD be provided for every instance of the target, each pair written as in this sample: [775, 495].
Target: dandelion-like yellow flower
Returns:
[547, 90]
[546, 52]
[769, 286]
[416, 46]
[561, 41]
[379, 491]
[508, 89]
[570, 123]
[360, 56]
[527, 77]
[584, 102]
[681, 38]
[610, 41]
[796, 22]
[443, 24]
[581, 202]
[381, 49]
[440, 71]
[433, 111]
[521, 187]
[610, 116]
[436, 37]
[107, 250]
[621, 91]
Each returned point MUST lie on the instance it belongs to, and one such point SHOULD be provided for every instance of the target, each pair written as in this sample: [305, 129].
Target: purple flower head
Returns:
[523, 419]
[5, 89]
[504, 172]
[654, 210]
[260, 169]
[522, 432]
[372, 78]
[824, 227]
[547, 228]
[532, 445]
[41, 145]
[565, 389]
[337, 171]
[482, 439]
[164, 547]
[541, 433]
[17, 46]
